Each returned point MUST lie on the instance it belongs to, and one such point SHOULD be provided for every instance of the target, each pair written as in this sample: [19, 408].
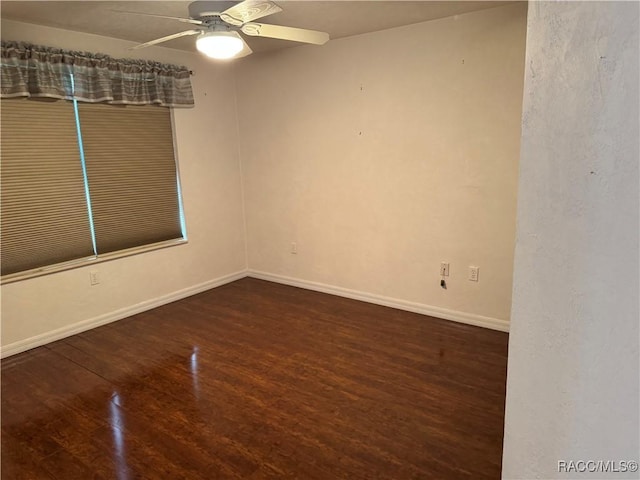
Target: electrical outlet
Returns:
[294, 248]
[444, 269]
[473, 273]
[94, 277]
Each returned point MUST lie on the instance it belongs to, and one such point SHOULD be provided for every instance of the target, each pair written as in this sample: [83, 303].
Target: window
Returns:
[82, 180]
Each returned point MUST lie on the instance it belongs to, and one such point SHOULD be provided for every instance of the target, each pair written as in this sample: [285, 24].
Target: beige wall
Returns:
[573, 389]
[55, 305]
[382, 155]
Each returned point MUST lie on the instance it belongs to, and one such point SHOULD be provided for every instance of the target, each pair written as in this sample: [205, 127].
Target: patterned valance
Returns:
[36, 71]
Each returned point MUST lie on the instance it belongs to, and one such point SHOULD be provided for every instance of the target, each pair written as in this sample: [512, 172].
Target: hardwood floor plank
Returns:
[258, 380]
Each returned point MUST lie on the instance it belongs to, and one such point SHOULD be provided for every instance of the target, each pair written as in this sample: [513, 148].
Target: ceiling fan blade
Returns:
[180, 19]
[285, 33]
[166, 39]
[249, 10]
[246, 50]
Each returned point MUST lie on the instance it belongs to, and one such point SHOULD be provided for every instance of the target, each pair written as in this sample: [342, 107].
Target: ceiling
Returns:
[338, 18]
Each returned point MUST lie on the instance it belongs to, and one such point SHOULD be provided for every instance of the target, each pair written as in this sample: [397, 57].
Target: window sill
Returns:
[88, 261]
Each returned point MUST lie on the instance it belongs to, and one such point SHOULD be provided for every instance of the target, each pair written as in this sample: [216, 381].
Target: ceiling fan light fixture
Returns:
[219, 24]
[220, 45]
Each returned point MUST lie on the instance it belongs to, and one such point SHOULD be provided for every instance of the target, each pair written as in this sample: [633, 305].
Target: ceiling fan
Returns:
[220, 21]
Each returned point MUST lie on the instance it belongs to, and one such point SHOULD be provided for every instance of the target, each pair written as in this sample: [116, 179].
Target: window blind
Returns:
[43, 204]
[131, 172]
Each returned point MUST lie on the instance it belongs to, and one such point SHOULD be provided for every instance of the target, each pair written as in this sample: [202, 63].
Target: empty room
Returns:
[319, 240]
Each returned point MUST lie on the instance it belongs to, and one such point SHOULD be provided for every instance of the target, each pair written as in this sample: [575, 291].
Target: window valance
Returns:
[36, 71]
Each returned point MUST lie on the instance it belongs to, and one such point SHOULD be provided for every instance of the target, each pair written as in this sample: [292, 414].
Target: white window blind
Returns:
[50, 214]
[131, 173]
[43, 206]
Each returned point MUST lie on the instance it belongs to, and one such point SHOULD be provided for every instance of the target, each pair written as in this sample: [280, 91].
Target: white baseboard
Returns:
[52, 336]
[453, 315]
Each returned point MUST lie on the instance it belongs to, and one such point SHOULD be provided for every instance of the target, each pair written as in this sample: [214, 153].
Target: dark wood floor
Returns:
[257, 380]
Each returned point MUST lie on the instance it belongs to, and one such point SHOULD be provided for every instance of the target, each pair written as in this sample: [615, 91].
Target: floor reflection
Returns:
[117, 430]
[194, 373]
